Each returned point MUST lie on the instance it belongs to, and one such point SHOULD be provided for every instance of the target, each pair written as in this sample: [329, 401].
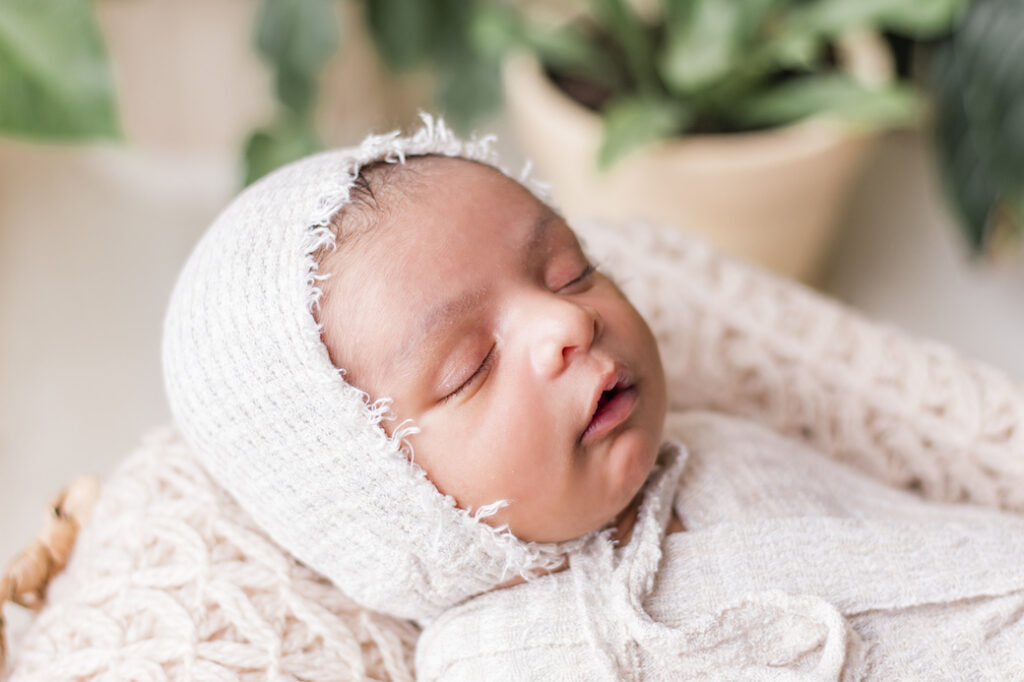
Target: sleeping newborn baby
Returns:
[402, 363]
[501, 337]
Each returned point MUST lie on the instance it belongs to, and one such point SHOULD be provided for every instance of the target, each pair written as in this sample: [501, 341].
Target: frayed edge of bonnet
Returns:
[433, 137]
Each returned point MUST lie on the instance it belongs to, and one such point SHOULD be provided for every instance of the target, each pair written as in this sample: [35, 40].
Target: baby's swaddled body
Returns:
[791, 567]
[431, 388]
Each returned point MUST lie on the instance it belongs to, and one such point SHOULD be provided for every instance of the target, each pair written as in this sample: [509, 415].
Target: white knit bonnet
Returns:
[254, 393]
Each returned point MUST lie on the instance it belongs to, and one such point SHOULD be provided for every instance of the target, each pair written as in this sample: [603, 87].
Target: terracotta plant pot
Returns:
[772, 197]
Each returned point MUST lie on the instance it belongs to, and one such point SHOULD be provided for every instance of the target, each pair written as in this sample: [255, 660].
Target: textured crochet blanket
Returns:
[171, 581]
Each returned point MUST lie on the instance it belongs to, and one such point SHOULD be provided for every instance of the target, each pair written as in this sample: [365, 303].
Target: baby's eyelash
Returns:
[484, 366]
[587, 272]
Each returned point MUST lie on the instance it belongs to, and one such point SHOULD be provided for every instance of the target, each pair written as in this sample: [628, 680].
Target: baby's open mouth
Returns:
[614, 405]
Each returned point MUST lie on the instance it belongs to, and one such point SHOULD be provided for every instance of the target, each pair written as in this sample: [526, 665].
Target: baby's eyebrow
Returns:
[539, 232]
[458, 305]
[464, 302]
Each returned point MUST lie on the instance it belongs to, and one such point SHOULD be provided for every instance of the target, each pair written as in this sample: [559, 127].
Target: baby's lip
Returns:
[617, 379]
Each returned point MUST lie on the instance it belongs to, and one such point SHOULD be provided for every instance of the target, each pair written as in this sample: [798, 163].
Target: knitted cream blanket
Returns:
[792, 567]
[171, 580]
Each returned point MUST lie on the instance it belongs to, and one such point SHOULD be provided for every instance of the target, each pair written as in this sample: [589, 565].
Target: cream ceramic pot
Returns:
[771, 197]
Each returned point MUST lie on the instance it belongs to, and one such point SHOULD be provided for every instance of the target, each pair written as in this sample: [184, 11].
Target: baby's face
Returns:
[529, 374]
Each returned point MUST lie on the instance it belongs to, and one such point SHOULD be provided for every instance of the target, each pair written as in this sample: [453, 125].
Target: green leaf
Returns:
[54, 78]
[977, 79]
[297, 37]
[630, 122]
[677, 12]
[469, 80]
[626, 29]
[916, 18]
[285, 141]
[832, 94]
[468, 88]
[759, 16]
[495, 28]
[404, 31]
[791, 49]
[703, 45]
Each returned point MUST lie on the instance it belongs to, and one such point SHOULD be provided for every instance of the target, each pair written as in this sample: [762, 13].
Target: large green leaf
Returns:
[838, 95]
[497, 28]
[54, 78]
[469, 79]
[297, 37]
[793, 50]
[978, 83]
[759, 16]
[630, 122]
[570, 50]
[630, 34]
[287, 140]
[703, 45]
[404, 31]
[916, 18]
[468, 86]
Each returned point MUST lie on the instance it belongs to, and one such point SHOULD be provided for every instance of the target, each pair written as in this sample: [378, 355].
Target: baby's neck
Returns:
[623, 524]
[626, 519]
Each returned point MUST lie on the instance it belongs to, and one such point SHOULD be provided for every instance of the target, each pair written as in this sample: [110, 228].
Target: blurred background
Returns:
[873, 149]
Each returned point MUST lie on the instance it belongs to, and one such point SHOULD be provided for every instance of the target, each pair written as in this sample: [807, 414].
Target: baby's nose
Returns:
[562, 331]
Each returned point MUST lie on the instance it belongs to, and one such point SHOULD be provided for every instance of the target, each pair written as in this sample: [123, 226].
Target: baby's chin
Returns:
[633, 459]
[635, 450]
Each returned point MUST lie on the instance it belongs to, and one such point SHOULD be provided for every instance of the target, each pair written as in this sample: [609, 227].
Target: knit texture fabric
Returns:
[252, 387]
[172, 580]
[909, 411]
[791, 567]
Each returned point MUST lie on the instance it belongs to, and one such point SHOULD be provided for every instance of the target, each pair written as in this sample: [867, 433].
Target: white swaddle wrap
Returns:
[791, 567]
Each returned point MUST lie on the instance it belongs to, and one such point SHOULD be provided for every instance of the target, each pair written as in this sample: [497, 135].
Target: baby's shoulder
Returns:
[700, 431]
[737, 469]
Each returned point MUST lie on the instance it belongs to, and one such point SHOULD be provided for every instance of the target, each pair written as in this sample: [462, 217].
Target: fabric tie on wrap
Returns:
[611, 584]
[800, 583]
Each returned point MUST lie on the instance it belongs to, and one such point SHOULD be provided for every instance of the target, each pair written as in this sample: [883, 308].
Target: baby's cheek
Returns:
[448, 451]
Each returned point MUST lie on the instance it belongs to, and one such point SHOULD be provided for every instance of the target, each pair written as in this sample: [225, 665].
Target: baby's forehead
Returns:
[383, 190]
[394, 179]
[382, 245]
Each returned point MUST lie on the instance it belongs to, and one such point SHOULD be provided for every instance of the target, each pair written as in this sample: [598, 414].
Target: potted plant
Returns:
[743, 121]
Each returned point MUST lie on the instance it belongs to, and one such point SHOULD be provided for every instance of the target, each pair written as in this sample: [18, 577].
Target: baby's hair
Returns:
[366, 198]
[374, 190]
[377, 185]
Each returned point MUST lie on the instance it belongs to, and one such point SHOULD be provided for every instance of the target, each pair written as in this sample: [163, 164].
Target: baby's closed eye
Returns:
[481, 373]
